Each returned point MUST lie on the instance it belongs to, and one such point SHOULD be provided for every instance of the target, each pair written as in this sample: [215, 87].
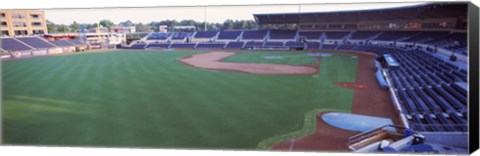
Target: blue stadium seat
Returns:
[229, 35]
[180, 35]
[432, 104]
[433, 125]
[440, 100]
[454, 102]
[407, 102]
[205, 34]
[310, 35]
[138, 46]
[254, 44]
[158, 36]
[313, 45]
[459, 120]
[158, 45]
[336, 35]
[36, 42]
[459, 89]
[447, 123]
[254, 34]
[282, 34]
[77, 41]
[62, 43]
[418, 101]
[459, 96]
[274, 44]
[10, 44]
[362, 35]
[235, 45]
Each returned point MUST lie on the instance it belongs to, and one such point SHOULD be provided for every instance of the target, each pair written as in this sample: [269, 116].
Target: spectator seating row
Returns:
[35, 42]
[427, 89]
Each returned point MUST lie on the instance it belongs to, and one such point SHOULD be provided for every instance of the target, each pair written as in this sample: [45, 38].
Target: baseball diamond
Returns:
[391, 80]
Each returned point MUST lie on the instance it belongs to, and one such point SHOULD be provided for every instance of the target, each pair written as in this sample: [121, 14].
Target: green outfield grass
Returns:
[150, 99]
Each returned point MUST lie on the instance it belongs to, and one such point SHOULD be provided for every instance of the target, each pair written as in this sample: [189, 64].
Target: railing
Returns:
[360, 140]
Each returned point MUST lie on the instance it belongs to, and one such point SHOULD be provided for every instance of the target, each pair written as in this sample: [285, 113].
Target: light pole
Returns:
[205, 18]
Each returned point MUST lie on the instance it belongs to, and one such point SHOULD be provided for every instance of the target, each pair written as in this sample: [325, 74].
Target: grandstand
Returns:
[36, 42]
[426, 84]
[24, 47]
[204, 35]
[12, 44]
[158, 36]
[229, 35]
[254, 35]
[63, 43]
[420, 60]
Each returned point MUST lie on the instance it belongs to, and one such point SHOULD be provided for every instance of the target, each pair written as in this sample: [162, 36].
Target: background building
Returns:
[123, 29]
[22, 22]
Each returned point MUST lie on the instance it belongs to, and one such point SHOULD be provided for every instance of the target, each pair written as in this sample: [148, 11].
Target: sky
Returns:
[210, 14]
[91, 11]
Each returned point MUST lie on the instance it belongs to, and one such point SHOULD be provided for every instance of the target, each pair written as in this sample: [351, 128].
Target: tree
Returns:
[106, 23]
[51, 27]
[252, 24]
[63, 28]
[188, 22]
[94, 25]
[74, 27]
[126, 23]
[140, 27]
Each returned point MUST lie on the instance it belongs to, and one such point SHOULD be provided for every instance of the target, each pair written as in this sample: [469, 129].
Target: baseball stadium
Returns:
[388, 80]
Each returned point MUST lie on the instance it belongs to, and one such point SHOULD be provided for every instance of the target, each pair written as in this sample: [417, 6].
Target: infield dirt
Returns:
[212, 61]
[367, 100]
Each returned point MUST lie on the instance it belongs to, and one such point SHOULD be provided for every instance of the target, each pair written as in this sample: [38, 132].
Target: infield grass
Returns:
[150, 99]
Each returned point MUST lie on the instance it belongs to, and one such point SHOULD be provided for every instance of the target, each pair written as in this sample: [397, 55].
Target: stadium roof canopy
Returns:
[422, 11]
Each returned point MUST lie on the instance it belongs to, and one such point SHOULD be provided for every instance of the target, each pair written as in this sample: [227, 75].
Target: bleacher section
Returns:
[180, 35]
[10, 44]
[455, 42]
[336, 35]
[427, 89]
[183, 45]
[62, 43]
[253, 44]
[311, 35]
[229, 35]
[362, 35]
[158, 45]
[36, 42]
[423, 37]
[205, 34]
[158, 36]
[138, 46]
[77, 41]
[394, 35]
[273, 44]
[282, 34]
[254, 34]
[235, 45]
